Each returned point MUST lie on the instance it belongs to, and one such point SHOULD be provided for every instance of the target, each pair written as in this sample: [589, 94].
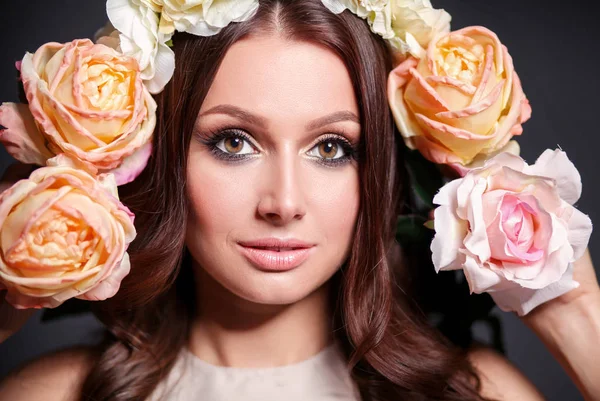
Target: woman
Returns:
[265, 240]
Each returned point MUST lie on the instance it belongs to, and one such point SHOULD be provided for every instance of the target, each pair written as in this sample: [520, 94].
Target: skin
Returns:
[281, 188]
[283, 192]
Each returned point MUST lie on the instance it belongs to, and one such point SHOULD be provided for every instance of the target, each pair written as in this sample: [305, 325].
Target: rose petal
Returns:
[507, 159]
[477, 241]
[132, 165]
[512, 147]
[397, 79]
[21, 138]
[66, 161]
[164, 68]
[108, 287]
[514, 118]
[335, 6]
[560, 235]
[222, 13]
[479, 117]
[520, 270]
[580, 230]
[524, 300]
[432, 150]
[554, 268]
[556, 165]
[465, 144]
[463, 193]
[480, 279]
[450, 233]
[446, 195]
[20, 301]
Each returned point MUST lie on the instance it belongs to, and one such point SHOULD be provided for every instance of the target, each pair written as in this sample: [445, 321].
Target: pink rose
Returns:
[462, 101]
[85, 100]
[513, 230]
[63, 234]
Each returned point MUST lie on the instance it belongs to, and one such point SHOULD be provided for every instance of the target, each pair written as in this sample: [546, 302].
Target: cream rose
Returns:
[137, 22]
[200, 17]
[512, 229]
[376, 12]
[462, 101]
[409, 25]
[63, 234]
[415, 23]
[87, 101]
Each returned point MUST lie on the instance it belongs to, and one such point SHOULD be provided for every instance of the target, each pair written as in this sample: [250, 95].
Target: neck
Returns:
[230, 331]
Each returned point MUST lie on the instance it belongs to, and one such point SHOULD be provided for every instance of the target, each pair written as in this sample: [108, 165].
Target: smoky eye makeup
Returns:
[333, 150]
[234, 145]
[229, 144]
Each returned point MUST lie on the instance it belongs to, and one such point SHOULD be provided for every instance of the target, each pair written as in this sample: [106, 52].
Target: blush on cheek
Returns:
[218, 195]
[338, 210]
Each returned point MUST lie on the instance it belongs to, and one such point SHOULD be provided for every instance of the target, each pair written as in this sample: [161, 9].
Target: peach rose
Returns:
[85, 100]
[462, 101]
[63, 234]
[512, 229]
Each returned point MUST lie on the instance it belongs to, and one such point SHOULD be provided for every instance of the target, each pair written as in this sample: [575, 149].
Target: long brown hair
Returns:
[395, 354]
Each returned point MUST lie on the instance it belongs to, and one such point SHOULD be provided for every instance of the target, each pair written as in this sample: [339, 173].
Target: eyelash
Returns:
[214, 137]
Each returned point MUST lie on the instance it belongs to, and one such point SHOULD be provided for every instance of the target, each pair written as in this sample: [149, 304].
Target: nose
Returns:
[282, 197]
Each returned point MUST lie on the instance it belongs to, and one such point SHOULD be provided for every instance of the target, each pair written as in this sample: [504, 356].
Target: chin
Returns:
[275, 288]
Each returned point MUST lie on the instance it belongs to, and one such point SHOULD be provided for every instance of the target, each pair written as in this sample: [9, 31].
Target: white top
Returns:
[323, 377]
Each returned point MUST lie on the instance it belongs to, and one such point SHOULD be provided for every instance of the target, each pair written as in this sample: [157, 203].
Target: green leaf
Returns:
[425, 177]
[429, 224]
[169, 43]
[410, 229]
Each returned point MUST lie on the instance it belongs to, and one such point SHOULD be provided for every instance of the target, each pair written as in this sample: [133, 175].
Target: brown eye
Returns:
[328, 150]
[235, 145]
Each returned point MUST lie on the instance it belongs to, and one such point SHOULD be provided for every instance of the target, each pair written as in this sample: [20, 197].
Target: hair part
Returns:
[394, 353]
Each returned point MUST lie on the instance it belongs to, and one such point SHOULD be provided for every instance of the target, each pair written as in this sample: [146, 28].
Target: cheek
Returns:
[334, 203]
[224, 207]
[219, 199]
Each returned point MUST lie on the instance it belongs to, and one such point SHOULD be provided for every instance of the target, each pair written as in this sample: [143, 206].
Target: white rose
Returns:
[139, 37]
[202, 17]
[379, 15]
[409, 25]
[376, 12]
[415, 23]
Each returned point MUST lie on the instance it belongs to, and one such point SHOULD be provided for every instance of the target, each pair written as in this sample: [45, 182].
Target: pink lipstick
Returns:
[275, 255]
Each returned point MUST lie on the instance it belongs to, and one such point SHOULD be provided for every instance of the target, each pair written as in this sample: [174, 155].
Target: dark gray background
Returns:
[555, 49]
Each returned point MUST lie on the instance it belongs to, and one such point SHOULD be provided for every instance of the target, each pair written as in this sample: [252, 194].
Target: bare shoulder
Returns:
[56, 376]
[500, 379]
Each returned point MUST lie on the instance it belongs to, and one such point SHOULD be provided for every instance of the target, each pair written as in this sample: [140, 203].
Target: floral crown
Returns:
[455, 97]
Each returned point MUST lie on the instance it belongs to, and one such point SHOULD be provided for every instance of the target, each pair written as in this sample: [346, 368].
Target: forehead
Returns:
[285, 79]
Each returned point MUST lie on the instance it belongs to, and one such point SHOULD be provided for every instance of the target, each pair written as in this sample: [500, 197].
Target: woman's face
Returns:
[272, 181]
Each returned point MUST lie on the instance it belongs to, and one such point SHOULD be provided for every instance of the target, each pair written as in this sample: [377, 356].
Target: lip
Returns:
[257, 252]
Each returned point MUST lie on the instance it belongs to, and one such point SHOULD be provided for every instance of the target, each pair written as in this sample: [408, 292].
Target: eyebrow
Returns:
[261, 122]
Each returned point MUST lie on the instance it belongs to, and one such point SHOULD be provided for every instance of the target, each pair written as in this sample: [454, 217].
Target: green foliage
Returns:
[410, 228]
[426, 179]
[445, 297]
